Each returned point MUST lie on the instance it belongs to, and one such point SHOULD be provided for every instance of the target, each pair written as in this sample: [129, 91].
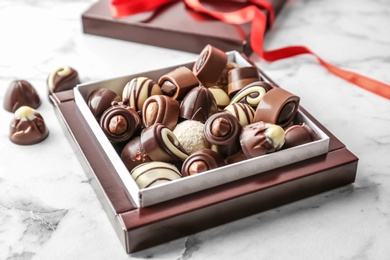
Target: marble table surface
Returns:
[48, 210]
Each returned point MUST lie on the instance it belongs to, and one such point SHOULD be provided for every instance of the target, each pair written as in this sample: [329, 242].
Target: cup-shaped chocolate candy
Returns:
[222, 131]
[209, 66]
[120, 122]
[243, 112]
[160, 109]
[20, 93]
[177, 83]
[138, 90]
[278, 106]
[134, 154]
[61, 79]
[240, 77]
[154, 173]
[201, 161]
[299, 134]
[252, 94]
[100, 100]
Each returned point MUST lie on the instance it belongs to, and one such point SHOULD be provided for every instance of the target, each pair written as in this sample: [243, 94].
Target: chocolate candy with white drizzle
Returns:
[61, 79]
[252, 94]
[154, 173]
[138, 90]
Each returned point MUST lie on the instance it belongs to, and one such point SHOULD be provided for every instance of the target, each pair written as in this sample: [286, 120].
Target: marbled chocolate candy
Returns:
[20, 93]
[160, 109]
[154, 173]
[61, 79]
[201, 161]
[177, 83]
[138, 90]
[252, 94]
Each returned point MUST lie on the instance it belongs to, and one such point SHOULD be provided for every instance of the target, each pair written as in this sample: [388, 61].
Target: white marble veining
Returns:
[48, 210]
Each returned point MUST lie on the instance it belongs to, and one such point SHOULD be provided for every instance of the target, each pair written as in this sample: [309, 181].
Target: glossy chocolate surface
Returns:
[252, 94]
[243, 112]
[177, 83]
[160, 109]
[201, 161]
[239, 78]
[133, 154]
[63, 78]
[138, 90]
[154, 173]
[299, 134]
[20, 93]
[100, 100]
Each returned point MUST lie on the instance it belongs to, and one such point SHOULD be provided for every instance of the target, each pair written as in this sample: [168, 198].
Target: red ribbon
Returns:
[253, 14]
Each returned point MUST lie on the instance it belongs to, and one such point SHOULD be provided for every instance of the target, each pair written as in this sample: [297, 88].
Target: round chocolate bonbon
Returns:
[278, 106]
[260, 138]
[240, 77]
[299, 134]
[100, 100]
[177, 83]
[20, 93]
[243, 112]
[154, 173]
[252, 94]
[190, 135]
[134, 154]
[138, 90]
[222, 131]
[201, 161]
[61, 79]
[120, 122]
[160, 109]
[27, 127]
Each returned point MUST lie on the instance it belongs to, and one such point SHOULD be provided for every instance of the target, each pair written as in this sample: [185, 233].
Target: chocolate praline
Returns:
[20, 93]
[299, 134]
[99, 100]
[160, 109]
[134, 154]
[240, 77]
[61, 79]
[138, 90]
[154, 173]
[201, 161]
[177, 83]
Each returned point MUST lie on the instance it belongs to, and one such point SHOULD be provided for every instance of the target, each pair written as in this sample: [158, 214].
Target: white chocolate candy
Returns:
[138, 90]
[62, 72]
[242, 111]
[25, 113]
[154, 173]
[275, 134]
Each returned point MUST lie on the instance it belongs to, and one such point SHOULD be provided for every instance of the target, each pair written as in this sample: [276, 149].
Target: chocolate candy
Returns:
[61, 79]
[177, 83]
[138, 90]
[223, 80]
[199, 104]
[160, 109]
[99, 100]
[161, 144]
[252, 94]
[154, 173]
[222, 131]
[260, 138]
[120, 122]
[210, 65]
[201, 161]
[190, 135]
[221, 98]
[27, 127]
[278, 106]
[134, 154]
[299, 134]
[243, 112]
[238, 78]
[20, 93]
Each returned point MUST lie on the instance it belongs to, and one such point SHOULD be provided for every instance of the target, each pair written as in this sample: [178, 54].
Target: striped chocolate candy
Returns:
[242, 111]
[138, 90]
[154, 173]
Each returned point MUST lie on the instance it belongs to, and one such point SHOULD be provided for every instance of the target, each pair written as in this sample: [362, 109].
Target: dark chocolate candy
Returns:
[299, 134]
[61, 79]
[27, 127]
[99, 100]
[177, 83]
[133, 154]
[20, 93]
[160, 109]
[240, 77]
[252, 94]
[222, 131]
[199, 104]
[138, 90]
[201, 161]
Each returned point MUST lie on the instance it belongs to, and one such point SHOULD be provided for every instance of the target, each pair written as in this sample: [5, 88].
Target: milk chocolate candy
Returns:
[20, 93]
[299, 134]
[138, 90]
[134, 154]
[221, 98]
[100, 100]
[243, 112]
[154, 173]
[177, 83]
[209, 66]
[278, 106]
[223, 80]
[222, 131]
[260, 138]
[120, 122]
[161, 144]
[201, 161]
[252, 94]
[27, 127]
[160, 109]
[240, 77]
[199, 104]
[63, 78]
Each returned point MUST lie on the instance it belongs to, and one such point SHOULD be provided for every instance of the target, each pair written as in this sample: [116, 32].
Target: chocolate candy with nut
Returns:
[201, 161]
[160, 109]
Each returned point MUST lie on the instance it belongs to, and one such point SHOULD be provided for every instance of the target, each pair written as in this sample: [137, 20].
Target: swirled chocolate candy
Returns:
[221, 98]
[240, 77]
[99, 100]
[278, 106]
[154, 173]
[299, 134]
[209, 65]
[161, 144]
[243, 112]
[222, 131]
[252, 94]
[260, 138]
[201, 161]
[199, 104]
[177, 83]
[20, 93]
[27, 127]
[190, 135]
[134, 154]
[160, 109]
[63, 78]
[120, 122]
[138, 90]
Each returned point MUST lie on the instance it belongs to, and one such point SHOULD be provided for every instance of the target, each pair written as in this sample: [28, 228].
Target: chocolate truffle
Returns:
[222, 131]
[221, 98]
[252, 94]
[160, 109]
[27, 127]
[177, 83]
[243, 112]
[199, 104]
[299, 134]
[61, 79]
[154, 173]
[209, 65]
[138, 90]
[238, 78]
[190, 135]
[134, 154]
[20, 93]
[260, 138]
[120, 122]
[201, 161]
[99, 100]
